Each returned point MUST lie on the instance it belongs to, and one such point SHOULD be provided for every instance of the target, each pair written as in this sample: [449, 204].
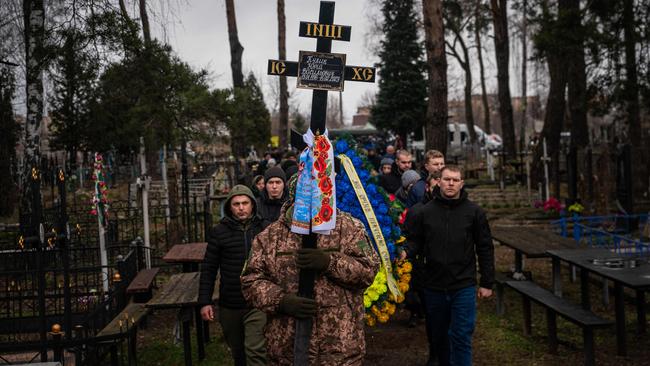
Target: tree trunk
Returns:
[484, 98]
[554, 118]
[144, 18]
[436, 116]
[469, 113]
[236, 49]
[524, 77]
[31, 201]
[8, 138]
[284, 93]
[631, 82]
[501, 46]
[577, 78]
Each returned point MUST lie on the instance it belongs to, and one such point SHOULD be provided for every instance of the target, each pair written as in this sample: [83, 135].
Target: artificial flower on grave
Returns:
[575, 208]
[380, 304]
[100, 201]
[553, 206]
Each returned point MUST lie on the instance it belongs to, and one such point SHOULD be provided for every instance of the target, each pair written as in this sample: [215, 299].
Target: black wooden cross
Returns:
[321, 71]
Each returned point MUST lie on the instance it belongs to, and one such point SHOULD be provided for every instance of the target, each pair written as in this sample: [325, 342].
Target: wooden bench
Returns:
[141, 287]
[555, 305]
[124, 325]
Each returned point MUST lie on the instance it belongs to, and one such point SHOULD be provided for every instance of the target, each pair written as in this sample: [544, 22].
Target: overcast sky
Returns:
[200, 37]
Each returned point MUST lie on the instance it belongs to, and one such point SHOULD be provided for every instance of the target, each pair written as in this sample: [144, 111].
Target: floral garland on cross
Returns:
[379, 303]
[100, 202]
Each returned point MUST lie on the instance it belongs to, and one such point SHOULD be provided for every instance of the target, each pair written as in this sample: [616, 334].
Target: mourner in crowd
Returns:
[229, 244]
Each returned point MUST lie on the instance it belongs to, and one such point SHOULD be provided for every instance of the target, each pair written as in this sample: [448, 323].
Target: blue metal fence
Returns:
[622, 234]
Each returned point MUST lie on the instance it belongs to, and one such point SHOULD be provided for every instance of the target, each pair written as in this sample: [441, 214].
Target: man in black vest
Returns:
[229, 244]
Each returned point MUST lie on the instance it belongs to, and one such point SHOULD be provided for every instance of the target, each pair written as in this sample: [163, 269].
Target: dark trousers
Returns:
[243, 330]
[450, 321]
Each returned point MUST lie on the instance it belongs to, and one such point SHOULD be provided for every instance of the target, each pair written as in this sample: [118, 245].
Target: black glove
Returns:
[296, 306]
[312, 258]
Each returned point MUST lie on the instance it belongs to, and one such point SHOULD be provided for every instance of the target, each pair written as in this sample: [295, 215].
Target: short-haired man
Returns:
[229, 244]
[392, 182]
[433, 161]
[273, 196]
[450, 232]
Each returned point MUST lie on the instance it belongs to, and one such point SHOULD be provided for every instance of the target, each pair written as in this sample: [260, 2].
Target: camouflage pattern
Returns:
[337, 336]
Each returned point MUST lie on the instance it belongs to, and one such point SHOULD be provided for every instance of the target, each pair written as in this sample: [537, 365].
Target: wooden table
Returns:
[189, 255]
[531, 242]
[636, 278]
[182, 292]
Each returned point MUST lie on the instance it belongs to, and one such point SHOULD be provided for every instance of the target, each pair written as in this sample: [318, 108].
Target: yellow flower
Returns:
[403, 287]
[383, 318]
[366, 301]
[400, 240]
[370, 320]
[375, 310]
[399, 299]
[406, 278]
[391, 309]
[407, 267]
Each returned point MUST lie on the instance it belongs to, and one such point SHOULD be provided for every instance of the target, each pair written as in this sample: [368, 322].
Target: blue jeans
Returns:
[450, 321]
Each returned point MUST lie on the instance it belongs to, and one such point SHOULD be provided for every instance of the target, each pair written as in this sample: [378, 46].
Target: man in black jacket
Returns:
[229, 244]
[450, 233]
[273, 196]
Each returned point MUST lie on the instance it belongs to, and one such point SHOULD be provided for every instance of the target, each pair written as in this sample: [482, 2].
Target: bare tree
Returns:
[478, 25]
[284, 93]
[34, 32]
[501, 45]
[631, 78]
[457, 24]
[236, 49]
[144, 18]
[436, 116]
[524, 79]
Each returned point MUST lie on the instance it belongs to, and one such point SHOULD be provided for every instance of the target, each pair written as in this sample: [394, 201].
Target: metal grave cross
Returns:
[321, 71]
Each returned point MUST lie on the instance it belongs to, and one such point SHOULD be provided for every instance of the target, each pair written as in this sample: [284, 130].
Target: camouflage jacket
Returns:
[337, 335]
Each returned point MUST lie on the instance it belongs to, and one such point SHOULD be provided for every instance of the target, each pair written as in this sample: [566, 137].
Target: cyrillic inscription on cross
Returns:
[321, 71]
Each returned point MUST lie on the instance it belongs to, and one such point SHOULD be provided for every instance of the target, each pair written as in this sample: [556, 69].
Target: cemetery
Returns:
[133, 184]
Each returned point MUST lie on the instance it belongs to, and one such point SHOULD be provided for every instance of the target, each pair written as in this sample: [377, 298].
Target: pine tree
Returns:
[401, 101]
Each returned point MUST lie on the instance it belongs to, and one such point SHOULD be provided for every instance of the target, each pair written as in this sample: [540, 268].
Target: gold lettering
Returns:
[339, 28]
[357, 73]
[318, 28]
[309, 29]
[327, 30]
[367, 74]
[278, 68]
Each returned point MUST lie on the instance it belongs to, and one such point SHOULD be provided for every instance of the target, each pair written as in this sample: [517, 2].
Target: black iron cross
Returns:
[321, 71]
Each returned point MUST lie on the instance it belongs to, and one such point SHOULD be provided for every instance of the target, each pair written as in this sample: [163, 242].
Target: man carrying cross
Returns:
[308, 270]
[345, 264]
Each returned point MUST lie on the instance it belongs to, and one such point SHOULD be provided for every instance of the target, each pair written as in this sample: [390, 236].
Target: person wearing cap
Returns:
[229, 244]
[345, 265]
[409, 178]
[274, 194]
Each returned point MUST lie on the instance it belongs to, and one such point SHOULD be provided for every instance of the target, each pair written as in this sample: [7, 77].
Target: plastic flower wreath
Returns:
[380, 304]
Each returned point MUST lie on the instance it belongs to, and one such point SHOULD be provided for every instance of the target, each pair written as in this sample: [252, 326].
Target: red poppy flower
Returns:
[322, 144]
[326, 213]
[325, 185]
[391, 197]
[320, 165]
